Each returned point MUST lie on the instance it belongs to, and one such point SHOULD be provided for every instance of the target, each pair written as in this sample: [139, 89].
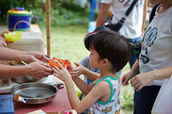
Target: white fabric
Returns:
[156, 50]
[133, 23]
[163, 100]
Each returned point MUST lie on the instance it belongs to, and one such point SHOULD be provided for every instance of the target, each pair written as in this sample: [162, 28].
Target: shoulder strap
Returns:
[131, 7]
[152, 14]
[121, 21]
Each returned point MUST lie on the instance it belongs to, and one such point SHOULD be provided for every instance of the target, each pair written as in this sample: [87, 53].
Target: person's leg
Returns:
[145, 99]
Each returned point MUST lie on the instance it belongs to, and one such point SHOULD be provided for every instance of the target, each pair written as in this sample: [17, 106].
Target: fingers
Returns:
[136, 84]
[56, 72]
[77, 64]
[46, 58]
[124, 81]
[46, 65]
[137, 87]
[60, 65]
[3, 44]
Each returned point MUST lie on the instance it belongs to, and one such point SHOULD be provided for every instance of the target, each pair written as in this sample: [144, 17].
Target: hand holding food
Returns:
[61, 72]
[63, 62]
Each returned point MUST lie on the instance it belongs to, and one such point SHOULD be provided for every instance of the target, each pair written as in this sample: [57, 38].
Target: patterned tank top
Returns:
[112, 106]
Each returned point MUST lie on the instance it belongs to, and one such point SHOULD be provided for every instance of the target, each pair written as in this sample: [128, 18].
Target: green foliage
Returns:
[126, 99]
[63, 12]
[6, 5]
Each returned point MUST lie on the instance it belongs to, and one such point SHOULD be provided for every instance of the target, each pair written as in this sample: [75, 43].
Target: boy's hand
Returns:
[61, 73]
[75, 72]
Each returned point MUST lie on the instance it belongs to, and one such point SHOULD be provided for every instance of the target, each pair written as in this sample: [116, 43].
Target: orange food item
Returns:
[63, 62]
[16, 98]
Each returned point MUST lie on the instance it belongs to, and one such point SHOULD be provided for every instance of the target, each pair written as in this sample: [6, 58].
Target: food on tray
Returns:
[63, 62]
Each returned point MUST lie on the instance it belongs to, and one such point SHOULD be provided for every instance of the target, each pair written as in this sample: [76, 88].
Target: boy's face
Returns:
[94, 58]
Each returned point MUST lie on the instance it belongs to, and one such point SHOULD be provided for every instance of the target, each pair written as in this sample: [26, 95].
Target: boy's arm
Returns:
[83, 86]
[90, 74]
[94, 95]
[75, 72]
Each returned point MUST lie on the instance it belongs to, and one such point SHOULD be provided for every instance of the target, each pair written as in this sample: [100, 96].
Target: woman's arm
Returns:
[34, 69]
[15, 55]
[141, 80]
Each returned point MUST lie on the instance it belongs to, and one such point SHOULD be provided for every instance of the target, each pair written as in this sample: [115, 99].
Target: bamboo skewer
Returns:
[48, 25]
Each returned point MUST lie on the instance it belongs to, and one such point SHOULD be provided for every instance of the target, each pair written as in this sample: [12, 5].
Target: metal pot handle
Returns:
[59, 85]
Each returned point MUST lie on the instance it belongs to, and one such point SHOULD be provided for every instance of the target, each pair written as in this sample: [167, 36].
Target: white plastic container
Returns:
[31, 41]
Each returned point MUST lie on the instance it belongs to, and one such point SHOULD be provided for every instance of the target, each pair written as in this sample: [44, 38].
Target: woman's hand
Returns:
[34, 56]
[39, 69]
[3, 42]
[141, 80]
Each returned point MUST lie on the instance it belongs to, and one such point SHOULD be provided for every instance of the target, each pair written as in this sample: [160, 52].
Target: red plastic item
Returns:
[15, 10]
[63, 62]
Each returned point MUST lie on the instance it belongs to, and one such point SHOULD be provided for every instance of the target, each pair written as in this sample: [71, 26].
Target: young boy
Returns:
[109, 52]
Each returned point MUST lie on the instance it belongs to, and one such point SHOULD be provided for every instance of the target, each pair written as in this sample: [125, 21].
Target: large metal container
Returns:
[36, 93]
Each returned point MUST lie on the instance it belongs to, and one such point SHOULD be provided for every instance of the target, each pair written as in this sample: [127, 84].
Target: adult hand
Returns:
[2, 42]
[77, 71]
[61, 73]
[39, 69]
[36, 56]
[127, 77]
[141, 80]
[2, 33]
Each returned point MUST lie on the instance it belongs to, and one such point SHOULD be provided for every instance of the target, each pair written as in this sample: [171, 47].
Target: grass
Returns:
[67, 43]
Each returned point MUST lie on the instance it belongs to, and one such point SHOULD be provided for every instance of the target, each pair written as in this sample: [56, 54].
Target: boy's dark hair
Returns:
[113, 46]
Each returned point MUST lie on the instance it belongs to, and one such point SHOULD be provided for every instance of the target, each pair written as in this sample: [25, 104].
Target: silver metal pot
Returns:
[24, 79]
[36, 93]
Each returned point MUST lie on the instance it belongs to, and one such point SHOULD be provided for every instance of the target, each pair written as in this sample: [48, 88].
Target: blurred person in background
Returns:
[134, 24]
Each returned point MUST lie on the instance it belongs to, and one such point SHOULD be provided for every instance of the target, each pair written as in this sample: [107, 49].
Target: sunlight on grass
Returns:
[67, 42]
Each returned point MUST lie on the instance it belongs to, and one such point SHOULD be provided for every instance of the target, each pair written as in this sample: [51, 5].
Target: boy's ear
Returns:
[105, 62]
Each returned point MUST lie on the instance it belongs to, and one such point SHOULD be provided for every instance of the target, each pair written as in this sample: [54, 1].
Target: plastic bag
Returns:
[163, 102]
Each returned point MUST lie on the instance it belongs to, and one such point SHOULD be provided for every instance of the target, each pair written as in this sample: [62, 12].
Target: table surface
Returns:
[59, 103]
